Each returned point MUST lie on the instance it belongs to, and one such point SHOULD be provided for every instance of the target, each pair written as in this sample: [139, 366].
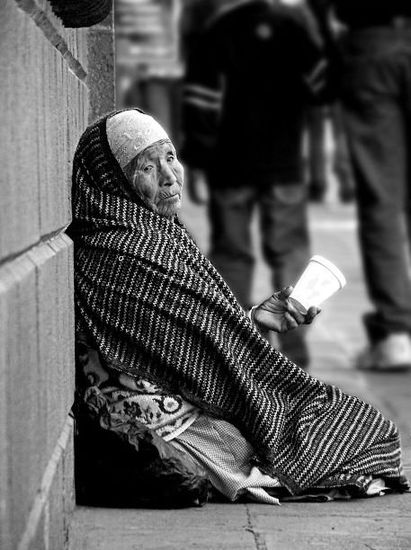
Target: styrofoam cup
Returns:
[320, 280]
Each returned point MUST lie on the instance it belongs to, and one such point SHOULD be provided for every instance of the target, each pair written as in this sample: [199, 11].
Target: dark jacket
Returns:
[249, 81]
[366, 13]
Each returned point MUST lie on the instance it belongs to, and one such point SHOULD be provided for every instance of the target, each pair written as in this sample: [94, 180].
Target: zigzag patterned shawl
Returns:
[155, 307]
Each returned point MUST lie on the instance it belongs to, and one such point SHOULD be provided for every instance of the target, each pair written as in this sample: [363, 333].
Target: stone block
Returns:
[61, 502]
[77, 116]
[54, 206]
[65, 117]
[54, 269]
[5, 533]
[23, 397]
[43, 102]
[20, 83]
[77, 44]
[56, 333]
[36, 371]
[100, 69]
[48, 524]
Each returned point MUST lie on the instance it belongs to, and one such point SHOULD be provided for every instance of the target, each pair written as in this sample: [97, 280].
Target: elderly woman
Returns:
[163, 342]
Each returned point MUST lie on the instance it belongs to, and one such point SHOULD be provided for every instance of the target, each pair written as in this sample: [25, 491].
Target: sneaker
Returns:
[390, 354]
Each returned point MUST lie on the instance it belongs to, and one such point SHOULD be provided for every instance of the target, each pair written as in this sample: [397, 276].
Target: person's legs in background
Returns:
[407, 121]
[374, 116]
[341, 161]
[317, 163]
[286, 248]
[230, 212]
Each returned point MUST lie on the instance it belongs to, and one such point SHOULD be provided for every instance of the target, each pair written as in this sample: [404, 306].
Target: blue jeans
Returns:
[376, 95]
[285, 243]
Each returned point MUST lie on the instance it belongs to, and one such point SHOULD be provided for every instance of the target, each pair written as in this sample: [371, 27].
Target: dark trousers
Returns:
[284, 237]
[376, 93]
[316, 161]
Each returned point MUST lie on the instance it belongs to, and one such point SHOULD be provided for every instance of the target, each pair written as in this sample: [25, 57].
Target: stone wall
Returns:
[46, 98]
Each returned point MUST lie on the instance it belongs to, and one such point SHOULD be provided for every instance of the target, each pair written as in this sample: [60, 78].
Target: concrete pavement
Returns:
[335, 338]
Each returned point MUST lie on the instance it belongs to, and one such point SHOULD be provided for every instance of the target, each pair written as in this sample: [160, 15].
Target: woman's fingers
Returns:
[311, 314]
[296, 314]
[291, 322]
[283, 294]
[300, 318]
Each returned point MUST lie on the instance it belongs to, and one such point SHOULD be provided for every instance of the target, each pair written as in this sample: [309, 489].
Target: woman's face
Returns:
[158, 178]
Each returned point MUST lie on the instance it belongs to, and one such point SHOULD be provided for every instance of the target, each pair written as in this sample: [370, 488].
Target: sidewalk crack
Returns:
[258, 537]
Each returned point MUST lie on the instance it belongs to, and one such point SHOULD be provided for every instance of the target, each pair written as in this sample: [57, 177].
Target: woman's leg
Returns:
[219, 448]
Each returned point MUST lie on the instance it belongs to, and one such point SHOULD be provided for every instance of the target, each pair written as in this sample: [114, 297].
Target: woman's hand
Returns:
[281, 313]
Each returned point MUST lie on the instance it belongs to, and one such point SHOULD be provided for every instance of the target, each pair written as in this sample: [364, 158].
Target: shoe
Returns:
[390, 354]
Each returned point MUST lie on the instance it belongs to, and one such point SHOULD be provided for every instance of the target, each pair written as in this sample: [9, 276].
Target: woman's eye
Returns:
[147, 168]
[170, 158]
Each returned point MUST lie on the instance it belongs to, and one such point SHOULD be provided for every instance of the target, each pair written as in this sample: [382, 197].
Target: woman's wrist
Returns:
[251, 315]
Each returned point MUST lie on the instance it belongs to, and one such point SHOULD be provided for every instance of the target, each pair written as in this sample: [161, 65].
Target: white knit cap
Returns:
[130, 132]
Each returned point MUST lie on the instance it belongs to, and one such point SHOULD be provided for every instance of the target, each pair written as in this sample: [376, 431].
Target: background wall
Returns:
[52, 79]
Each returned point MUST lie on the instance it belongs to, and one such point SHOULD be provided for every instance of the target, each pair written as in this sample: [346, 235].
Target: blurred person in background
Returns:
[341, 164]
[250, 79]
[316, 154]
[195, 16]
[375, 91]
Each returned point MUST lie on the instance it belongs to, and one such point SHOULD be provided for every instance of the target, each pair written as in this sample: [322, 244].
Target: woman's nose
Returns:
[167, 175]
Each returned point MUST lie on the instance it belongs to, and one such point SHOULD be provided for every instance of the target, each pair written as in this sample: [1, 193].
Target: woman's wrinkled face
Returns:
[158, 178]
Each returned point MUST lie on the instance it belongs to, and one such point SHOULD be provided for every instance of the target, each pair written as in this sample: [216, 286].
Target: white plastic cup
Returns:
[320, 280]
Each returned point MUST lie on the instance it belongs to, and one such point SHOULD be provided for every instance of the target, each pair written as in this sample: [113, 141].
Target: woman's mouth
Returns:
[171, 197]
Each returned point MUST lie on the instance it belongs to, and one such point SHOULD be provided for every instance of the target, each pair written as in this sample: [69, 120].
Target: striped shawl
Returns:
[155, 308]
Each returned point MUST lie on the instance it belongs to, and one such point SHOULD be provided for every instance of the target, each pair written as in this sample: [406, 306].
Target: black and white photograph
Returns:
[205, 275]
